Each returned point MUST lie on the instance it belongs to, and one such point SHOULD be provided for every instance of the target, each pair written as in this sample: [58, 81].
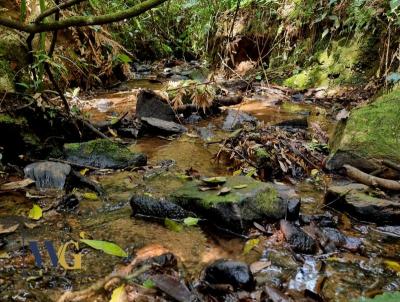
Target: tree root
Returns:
[109, 281]
[370, 180]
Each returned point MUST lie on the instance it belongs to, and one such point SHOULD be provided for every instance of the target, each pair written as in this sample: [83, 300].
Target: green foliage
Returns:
[107, 247]
[385, 297]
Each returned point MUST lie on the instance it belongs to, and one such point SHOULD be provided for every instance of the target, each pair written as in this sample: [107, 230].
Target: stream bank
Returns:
[319, 256]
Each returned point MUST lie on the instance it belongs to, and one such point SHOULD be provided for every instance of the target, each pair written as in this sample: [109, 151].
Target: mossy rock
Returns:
[104, 154]
[236, 210]
[371, 133]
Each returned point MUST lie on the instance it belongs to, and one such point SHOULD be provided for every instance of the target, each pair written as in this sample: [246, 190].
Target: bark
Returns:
[79, 21]
[370, 180]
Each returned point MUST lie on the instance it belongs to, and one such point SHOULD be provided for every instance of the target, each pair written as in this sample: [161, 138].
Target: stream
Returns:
[340, 276]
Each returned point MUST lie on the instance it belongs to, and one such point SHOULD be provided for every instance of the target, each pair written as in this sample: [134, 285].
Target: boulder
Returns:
[155, 124]
[47, 174]
[371, 133]
[148, 206]
[235, 273]
[235, 119]
[358, 202]
[254, 201]
[104, 154]
[151, 105]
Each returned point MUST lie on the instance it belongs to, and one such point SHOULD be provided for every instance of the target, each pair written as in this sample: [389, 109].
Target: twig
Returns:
[391, 165]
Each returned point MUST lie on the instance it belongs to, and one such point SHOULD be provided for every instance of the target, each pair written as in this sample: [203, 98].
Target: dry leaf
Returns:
[8, 230]
[15, 185]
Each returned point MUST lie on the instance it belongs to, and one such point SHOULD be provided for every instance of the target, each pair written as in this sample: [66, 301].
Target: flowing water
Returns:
[337, 277]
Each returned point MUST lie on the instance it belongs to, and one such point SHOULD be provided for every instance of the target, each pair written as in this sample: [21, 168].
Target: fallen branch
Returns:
[370, 180]
[391, 165]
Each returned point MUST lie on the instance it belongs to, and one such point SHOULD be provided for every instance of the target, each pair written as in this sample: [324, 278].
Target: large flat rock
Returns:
[357, 200]
[237, 209]
[104, 154]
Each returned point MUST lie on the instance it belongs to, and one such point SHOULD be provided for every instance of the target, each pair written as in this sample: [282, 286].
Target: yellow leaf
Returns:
[107, 247]
[250, 244]
[84, 171]
[83, 235]
[314, 172]
[36, 212]
[4, 255]
[237, 172]
[119, 294]
[393, 265]
[90, 196]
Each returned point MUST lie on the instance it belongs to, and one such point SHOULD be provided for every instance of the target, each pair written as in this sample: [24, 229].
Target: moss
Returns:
[9, 120]
[30, 139]
[372, 131]
[339, 64]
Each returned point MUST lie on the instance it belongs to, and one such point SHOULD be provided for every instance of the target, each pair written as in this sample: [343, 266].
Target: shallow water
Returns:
[337, 277]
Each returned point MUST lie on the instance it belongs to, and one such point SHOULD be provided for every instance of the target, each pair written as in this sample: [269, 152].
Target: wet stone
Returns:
[48, 175]
[298, 240]
[151, 105]
[155, 124]
[356, 200]
[104, 154]
[235, 273]
[235, 119]
[148, 206]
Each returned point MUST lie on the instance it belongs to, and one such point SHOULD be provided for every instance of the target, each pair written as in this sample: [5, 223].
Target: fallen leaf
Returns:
[107, 247]
[314, 172]
[90, 196]
[149, 283]
[83, 235]
[250, 244]
[173, 225]
[35, 213]
[191, 221]
[393, 265]
[113, 132]
[237, 172]
[4, 255]
[214, 180]
[224, 191]
[30, 225]
[84, 171]
[15, 185]
[8, 230]
[192, 135]
[119, 294]
[258, 266]
[238, 187]
[173, 287]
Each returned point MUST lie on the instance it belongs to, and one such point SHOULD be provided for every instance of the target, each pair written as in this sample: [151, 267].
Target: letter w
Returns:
[33, 245]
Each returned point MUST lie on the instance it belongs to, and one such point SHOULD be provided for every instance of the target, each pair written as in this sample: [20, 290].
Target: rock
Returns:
[148, 206]
[354, 199]
[194, 118]
[293, 209]
[294, 123]
[370, 134]
[151, 105]
[48, 175]
[235, 119]
[68, 203]
[236, 210]
[235, 273]
[104, 154]
[298, 240]
[156, 124]
[206, 133]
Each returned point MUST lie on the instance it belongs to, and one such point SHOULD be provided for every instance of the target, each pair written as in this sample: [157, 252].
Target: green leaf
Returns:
[90, 196]
[250, 244]
[173, 225]
[191, 221]
[149, 284]
[123, 58]
[238, 187]
[36, 212]
[22, 16]
[107, 247]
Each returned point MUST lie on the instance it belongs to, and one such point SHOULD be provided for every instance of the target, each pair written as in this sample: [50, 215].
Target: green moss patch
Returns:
[371, 132]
